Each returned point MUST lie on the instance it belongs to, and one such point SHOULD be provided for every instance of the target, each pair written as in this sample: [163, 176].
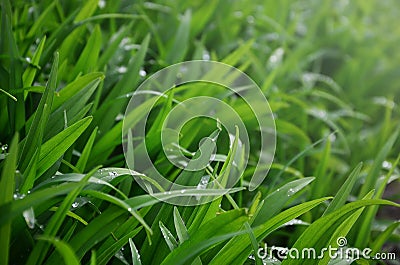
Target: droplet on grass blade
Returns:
[29, 216]
[291, 192]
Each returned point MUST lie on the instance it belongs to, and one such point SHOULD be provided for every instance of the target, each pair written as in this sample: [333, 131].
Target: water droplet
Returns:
[183, 191]
[120, 255]
[291, 192]
[129, 209]
[18, 196]
[101, 4]
[387, 165]
[113, 174]
[250, 19]
[206, 56]
[142, 73]
[75, 204]
[4, 147]
[122, 69]
[29, 216]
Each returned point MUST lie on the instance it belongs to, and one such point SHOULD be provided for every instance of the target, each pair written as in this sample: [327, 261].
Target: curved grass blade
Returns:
[40, 250]
[63, 248]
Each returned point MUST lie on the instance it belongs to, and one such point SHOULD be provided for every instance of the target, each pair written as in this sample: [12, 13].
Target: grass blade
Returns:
[35, 134]
[54, 148]
[135, 253]
[341, 196]
[63, 248]
[7, 183]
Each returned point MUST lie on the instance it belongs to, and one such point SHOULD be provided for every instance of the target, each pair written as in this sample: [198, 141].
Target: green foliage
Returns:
[330, 72]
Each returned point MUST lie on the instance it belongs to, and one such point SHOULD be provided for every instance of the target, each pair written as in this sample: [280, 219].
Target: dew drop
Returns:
[206, 56]
[113, 174]
[101, 4]
[29, 216]
[291, 192]
[122, 69]
[250, 19]
[142, 73]
[75, 204]
[18, 196]
[387, 165]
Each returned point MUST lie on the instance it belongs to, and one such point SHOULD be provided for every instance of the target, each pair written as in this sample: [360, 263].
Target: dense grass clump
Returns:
[329, 69]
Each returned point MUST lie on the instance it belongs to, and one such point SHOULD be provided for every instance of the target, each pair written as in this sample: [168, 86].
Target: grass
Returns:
[68, 68]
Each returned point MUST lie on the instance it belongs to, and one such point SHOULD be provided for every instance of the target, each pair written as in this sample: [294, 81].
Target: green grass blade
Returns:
[316, 234]
[239, 248]
[87, 61]
[35, 134]
[108, 253]
[54, 148]
[168, 236]
[343, 230]
[118, 202]
[74, 87]
[33, 199]
[63, 248]
[180, 227]
[218, 229]
[341, 196]
[275, 201]
[30, 72]
[135, 253]
[364, 231]
[81, 164]
[178, 49]
[7, 185]
[319, 185]
[373, 174]
[383, 237]
[40, 250]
